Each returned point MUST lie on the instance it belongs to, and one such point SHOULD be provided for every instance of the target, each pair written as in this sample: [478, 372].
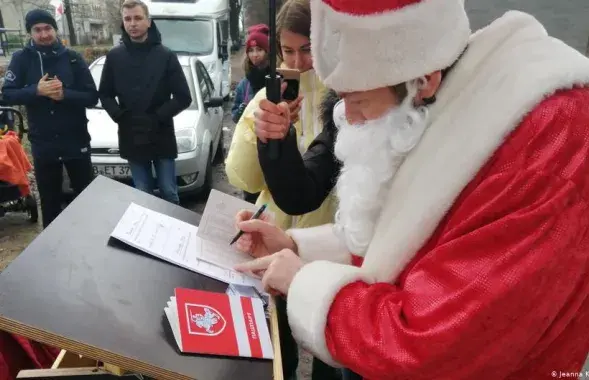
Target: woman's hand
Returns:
[295, 108]
[261, 237]
[272, 121]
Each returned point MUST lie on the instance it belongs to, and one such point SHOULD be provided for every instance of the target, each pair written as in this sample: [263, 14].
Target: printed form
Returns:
[179, 243]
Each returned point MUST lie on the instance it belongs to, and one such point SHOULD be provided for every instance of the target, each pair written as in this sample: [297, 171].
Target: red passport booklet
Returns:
[219, 324]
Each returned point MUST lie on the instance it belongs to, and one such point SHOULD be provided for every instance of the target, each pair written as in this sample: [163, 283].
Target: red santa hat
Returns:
[360, 45]
[258, 36]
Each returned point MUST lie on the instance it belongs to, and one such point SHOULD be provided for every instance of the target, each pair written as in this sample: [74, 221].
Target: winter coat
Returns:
[243, 166]
[246, 90]
[243, 94]
[300, 184]
[57, 129]
[151, 89]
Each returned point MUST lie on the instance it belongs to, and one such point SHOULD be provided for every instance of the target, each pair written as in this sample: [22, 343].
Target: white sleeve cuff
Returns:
[309, 299]
[320, 243]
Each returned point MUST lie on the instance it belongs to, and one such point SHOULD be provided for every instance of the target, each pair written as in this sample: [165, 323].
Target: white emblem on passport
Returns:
[204, 317]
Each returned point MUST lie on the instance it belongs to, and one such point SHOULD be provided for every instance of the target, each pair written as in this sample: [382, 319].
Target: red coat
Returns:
[478, 267]
[461, 308]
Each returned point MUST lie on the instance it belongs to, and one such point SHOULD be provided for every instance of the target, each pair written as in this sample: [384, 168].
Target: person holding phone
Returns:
[245, 156]
[255, 66]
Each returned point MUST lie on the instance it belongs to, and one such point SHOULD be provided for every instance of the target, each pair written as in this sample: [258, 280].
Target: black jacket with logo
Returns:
[57, 129]
[142, 88]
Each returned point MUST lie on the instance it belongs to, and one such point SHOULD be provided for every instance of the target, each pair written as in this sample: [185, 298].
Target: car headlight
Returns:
[186, 140]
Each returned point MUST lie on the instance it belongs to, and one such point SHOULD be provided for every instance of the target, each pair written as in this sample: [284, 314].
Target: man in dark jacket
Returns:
[56, 86]
[151, 88]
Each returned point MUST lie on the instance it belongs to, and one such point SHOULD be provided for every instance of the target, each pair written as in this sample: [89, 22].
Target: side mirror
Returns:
[214, 102]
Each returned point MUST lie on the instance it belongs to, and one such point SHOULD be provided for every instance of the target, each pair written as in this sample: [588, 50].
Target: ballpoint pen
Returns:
[255, 216]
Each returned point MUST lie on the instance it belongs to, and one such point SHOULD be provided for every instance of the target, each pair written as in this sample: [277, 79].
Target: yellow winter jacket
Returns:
[242, 165]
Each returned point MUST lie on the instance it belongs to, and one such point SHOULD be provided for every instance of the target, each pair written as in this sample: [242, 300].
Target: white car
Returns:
[207, 24]
[198, 132]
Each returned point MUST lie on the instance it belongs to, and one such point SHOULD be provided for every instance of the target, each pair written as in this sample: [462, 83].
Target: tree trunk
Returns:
[70, 22]
[256, 11]
[234, 15]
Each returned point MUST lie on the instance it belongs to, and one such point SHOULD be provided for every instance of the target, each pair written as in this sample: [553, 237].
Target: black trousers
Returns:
[290, 350]
[49, 177]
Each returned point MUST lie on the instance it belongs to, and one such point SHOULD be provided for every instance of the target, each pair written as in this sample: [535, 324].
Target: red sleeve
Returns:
[500, 274]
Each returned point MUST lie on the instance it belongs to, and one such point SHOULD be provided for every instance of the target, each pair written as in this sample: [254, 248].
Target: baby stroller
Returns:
[15, 193]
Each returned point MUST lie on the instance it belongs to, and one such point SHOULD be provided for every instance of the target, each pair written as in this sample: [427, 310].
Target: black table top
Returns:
[78, 289]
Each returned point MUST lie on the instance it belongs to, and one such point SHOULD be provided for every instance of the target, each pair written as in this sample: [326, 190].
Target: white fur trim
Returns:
[319, 243]
[309, 298]
[509, 68]
[356, 53]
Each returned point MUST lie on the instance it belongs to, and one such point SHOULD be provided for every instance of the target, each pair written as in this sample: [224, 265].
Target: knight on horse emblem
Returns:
[206, 321]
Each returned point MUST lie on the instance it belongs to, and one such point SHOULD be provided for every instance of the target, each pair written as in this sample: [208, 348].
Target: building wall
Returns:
[90, 17]
[14, 11]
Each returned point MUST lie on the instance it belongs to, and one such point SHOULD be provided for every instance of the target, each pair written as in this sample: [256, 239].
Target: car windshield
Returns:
[187, 36]
[96, 71]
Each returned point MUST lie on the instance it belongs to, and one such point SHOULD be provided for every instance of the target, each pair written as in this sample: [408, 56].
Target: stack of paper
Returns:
[203, 249]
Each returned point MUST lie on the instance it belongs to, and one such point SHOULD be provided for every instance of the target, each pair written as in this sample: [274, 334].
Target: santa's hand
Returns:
[261, 237]
[279, 270]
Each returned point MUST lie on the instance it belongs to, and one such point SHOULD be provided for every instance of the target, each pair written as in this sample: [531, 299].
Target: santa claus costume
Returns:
[478, 264]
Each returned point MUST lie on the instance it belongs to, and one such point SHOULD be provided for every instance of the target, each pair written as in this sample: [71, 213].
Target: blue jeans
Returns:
[165, 170]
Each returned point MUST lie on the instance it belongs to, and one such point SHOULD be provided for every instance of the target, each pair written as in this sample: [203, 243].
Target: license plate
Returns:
[113, 171]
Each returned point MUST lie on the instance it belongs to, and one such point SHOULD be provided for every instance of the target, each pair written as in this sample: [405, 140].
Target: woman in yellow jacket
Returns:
[293, 26]
[242, 165]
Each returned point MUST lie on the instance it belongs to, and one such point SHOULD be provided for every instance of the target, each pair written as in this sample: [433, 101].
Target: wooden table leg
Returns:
[277, 363]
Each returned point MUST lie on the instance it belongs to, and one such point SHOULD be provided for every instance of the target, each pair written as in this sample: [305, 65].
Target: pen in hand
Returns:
[255, 216]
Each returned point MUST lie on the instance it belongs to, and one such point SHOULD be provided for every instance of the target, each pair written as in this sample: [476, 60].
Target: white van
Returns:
[200, 28]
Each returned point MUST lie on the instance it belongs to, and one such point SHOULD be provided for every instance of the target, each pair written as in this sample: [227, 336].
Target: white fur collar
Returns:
[509, 67]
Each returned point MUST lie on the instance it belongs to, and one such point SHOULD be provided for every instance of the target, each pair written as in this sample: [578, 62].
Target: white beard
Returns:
[371, 154]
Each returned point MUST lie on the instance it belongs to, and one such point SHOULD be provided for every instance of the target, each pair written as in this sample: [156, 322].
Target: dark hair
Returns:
[294, 16]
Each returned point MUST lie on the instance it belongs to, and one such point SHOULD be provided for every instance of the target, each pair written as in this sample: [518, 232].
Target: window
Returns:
[204, 88]
[187, 36]
[208, 79]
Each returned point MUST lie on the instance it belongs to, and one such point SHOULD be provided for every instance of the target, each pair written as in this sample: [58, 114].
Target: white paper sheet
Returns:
[217, 224]
[177, 242]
